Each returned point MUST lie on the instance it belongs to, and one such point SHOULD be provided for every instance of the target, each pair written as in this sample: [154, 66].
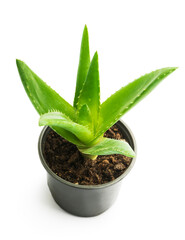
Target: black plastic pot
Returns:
[83, 200]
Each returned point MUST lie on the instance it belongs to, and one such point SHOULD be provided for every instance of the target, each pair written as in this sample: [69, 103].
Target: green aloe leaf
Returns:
[109, 146]
[59, 120]
[90, 94]
[125, 98]
[43, 97]
[67, 135]
[84, 63]
[84, 116]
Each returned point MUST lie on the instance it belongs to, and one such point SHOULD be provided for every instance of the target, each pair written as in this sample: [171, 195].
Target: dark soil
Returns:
[65, 160]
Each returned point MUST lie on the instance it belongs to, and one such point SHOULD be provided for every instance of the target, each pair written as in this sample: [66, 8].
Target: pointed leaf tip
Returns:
[95, 55]
[83, 67]
[85, 28]
[18, 62]
[174, 68]
[95, 60]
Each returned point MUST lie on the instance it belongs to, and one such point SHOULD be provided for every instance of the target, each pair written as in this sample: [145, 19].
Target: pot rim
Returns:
[88, 187]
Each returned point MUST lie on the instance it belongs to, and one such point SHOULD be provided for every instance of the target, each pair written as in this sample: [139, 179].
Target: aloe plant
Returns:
[85, 123]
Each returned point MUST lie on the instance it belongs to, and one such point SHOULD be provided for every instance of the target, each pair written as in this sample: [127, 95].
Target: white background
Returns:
[132, 38]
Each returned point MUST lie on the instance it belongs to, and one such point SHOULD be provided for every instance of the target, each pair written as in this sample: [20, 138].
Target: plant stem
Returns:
[88, 156]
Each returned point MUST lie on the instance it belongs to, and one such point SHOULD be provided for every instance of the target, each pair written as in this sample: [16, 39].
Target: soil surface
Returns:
[65, 160]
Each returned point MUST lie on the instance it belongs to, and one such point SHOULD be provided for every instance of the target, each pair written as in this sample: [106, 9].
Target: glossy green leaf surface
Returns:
[84, 116]
[59, 120]
[125, 98]
[67, 135]
[109, 146]
[90, 94]
[43, 97]
[83, 67]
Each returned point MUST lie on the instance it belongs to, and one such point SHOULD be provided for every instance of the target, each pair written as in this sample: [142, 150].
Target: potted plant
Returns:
[85, 149]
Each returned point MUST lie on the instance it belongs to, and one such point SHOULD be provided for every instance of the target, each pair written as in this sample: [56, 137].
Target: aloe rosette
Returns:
[85, 123]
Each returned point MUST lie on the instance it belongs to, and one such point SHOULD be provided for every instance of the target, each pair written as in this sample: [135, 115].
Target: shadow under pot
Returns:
[85, 200]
